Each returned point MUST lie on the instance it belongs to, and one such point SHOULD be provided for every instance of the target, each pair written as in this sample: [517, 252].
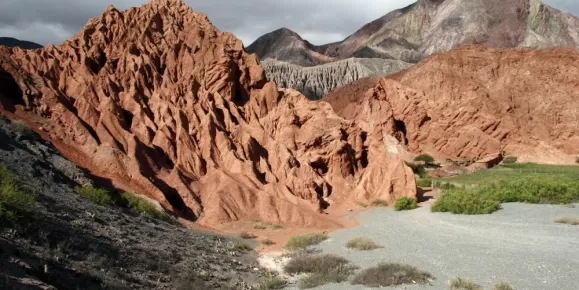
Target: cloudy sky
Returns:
[319, 21]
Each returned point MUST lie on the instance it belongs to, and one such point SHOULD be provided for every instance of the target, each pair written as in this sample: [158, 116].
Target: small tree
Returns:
[425, 158]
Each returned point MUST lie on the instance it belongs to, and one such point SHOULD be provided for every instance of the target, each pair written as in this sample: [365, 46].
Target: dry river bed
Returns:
[519, 244]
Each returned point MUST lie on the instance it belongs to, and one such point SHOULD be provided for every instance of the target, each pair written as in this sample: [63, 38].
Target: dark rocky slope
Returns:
[13, 42]
[71, 243]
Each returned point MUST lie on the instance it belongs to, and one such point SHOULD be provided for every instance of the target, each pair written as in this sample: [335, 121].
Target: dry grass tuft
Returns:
[304, 241]
[463, 284]
[391, 274]
[363, 244]
[322, 269]
[503, 286]
[567, 220]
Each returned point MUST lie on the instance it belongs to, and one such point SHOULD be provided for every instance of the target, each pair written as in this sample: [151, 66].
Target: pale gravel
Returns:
[519, 244]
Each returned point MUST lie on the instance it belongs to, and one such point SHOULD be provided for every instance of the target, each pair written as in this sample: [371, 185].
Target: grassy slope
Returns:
[512, 171]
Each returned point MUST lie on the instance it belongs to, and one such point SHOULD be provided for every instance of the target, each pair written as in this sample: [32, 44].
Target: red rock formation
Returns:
[162, 103]
[475, 101]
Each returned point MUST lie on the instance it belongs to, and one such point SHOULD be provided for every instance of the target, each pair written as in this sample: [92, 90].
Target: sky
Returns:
[318, 21]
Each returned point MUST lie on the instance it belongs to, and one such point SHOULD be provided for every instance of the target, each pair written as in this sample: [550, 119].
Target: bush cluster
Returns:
[405, 203]
[485, 199]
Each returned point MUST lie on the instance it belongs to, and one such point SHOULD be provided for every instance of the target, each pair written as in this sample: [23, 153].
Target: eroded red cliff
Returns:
[160, 102]
[476, 101]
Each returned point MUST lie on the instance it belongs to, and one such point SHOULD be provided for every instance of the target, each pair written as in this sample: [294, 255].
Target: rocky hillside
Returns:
[314, 82]
[475, 101]
[64, 241]
[160, 102]
[13, 42]
[428, 26]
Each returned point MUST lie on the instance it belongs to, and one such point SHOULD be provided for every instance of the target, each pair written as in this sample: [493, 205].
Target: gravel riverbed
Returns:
[519, 244]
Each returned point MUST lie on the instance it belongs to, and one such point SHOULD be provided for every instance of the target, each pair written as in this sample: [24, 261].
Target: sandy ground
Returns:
[519, 245]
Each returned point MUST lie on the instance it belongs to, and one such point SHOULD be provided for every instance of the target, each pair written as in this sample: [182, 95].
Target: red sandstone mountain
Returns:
[475, 101]
[160, 102]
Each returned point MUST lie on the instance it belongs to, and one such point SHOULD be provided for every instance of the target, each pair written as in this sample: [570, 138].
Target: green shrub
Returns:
[510, 160]
[271, 283]
[322, 269]
[304, 241]
[363, 244]
[96, 195]
[405, 203]
[418, 169]
[15, 200]
[462, 284]
[502, 286]
[424, 158]
[462, 201]
[141, 206]
[443, 185]
[424, 182]
[385, 275]
[485, 199]
[379, 203]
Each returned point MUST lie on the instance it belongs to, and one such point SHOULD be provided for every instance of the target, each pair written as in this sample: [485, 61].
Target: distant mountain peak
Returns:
[428, 26]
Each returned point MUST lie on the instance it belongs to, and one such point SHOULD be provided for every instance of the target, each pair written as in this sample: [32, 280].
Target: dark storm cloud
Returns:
[319, 21]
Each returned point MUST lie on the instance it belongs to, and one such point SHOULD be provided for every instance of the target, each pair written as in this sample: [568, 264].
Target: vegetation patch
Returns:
[502, 286]
[239, 245]
[141, 206]
[247, 236]
[463, 201]
[15, 200]
[363, 244]
[271, 283]
[132, 201]
[24, 131]
[361, 204]
[418, 169]
[304, 241]
[405, 203]
[391, 274]
[506, 172]
[510, 160]
[424, 182]
[379, 203]
[463, 284]
[259, 225]
[322, 269]
[427, 159]
[485, 199]
[96, 195]
[567, 220]
[268, 242]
